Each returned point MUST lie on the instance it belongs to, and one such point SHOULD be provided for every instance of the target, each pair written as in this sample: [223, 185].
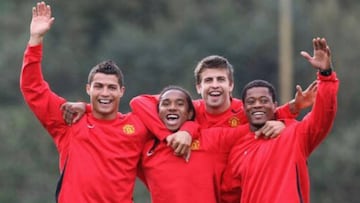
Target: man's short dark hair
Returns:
[259, 83]
[108, 67]
[187, 94]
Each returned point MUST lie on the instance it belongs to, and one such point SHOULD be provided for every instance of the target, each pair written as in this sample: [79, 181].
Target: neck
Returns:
[219, 109]
[254, 128]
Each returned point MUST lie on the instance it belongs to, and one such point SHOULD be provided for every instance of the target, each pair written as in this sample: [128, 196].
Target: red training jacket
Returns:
[275, 170]
[99, 157]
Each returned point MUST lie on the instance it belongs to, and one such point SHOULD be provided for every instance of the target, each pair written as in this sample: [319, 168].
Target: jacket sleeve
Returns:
[145, 106]
[317, 124]
[230, 188]
[283, 112]
[42, 101]
[222, 139]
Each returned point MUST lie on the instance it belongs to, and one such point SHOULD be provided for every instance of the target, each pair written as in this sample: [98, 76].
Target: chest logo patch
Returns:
[234, 122]
[128, 129]
[195, 145]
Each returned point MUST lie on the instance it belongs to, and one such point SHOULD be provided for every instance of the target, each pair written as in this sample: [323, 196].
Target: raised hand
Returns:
[41, 22]
[322, 55]
[304, 99]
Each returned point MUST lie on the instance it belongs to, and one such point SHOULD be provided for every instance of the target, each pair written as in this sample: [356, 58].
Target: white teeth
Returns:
[258, 113]
[104, 101]
[172, 116]
[215, 93]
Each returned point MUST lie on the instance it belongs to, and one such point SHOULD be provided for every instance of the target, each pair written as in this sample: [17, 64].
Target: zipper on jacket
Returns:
[59, 183]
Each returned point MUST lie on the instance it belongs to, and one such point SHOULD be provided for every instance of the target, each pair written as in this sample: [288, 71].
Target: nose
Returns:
[215, 84]
[172, 107]
[105, 91]
[257, 104]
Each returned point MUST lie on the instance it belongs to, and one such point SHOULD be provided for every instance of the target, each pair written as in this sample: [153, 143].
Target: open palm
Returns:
[41, 19]
[322, 55]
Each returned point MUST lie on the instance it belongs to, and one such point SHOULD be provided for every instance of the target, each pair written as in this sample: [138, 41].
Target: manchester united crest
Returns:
[234, 122]
[129, 129]
[195, 145]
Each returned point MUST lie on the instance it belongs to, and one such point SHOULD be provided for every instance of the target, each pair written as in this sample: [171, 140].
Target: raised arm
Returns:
[42, 101]
[318, 123]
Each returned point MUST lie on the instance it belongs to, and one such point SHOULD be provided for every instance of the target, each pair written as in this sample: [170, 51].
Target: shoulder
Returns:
[235, 101]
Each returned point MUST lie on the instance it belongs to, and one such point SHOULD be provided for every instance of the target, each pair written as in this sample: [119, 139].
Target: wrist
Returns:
[294, 108]
[325, 72]
[35, 40]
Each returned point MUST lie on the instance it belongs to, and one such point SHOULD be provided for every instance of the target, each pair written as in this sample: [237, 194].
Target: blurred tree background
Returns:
[158, 43]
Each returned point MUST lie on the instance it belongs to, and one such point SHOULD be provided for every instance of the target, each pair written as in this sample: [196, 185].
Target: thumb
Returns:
[169, 139]
[306, 55]
[257, 134]
[76, 118]
[63, 107]
[187, 155]
[298, 89]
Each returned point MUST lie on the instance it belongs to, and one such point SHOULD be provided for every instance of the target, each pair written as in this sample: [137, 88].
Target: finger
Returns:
[62, 107]
[41, 8]
[174, 145]
[257, 134]
[314, 43]
[76, 118]
[48, 11]
[64, 116]
[320, 43]
[299, 89]
[323, 43]
[68, 116]
[187, 155]
[313, 85]
[169, 140]
[34, 13]
[184, 149]
[328, 51]
[177, 150]
[306, 55]
[274, 133]
[317, 43]
[268, 132]
[37, 8]
[265, 128]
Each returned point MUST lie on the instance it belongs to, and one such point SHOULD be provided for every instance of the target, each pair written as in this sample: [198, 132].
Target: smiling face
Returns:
[174, 109]
[259, 106]
[105, 93]
[215, 88]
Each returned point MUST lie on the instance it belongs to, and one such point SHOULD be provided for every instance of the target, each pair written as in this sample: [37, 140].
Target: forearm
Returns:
[320, 120]
[287, 111]
[35, 40]
[145, 107]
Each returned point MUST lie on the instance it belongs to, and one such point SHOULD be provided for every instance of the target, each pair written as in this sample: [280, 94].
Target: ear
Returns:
[275, 105]
[122, 91]
[231, 86]
[88, 89]
[190, 115]
[198, 88]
